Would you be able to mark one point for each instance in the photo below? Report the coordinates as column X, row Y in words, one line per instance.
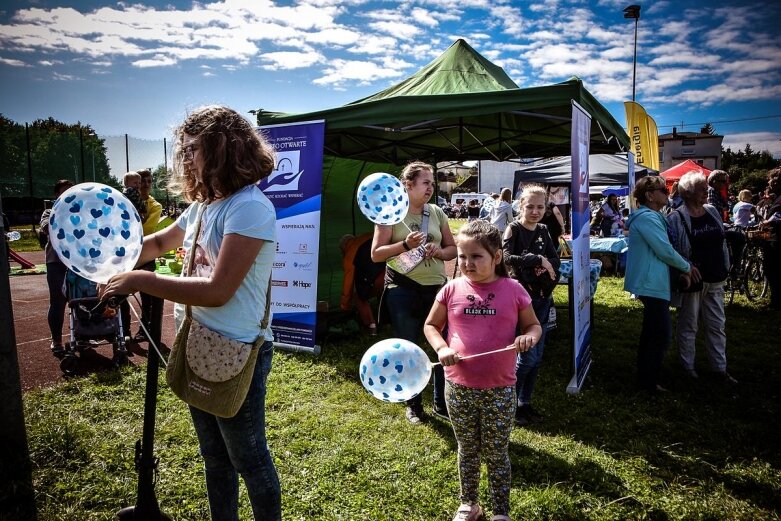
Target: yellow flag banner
column 643, row 134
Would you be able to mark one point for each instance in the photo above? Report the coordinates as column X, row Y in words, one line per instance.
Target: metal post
column 127, row 156
column 634, row 63
column 81, row 149
column 165, row 165
column 29, row 159
column 146, row 507
column 633, row 11
column 18, row 498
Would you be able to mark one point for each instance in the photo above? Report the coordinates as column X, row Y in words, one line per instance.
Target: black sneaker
column 414, row 415
column 525, row 414
column 140, row 337
column 441, row 411
column 724, row 378
column 521, row 418
column 533, row 415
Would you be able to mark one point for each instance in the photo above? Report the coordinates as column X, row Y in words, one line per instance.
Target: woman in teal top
column 649, row 260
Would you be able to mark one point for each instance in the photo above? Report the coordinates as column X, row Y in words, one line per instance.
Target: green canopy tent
column 459, row 107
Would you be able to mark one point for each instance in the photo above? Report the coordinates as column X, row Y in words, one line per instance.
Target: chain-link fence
column 35, row 156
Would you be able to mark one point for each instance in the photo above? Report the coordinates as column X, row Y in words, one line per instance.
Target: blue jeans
column 528, row 364
column 654, row 340
column 55, row 277
column 408, row 309
column 233, row 446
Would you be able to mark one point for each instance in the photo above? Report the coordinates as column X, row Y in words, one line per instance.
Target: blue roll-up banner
column 295, row 189
column 580, row 294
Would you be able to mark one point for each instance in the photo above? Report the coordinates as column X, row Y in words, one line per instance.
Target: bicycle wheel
column 756, row 282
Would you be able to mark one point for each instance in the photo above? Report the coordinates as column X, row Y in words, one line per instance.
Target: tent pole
column 355, row 192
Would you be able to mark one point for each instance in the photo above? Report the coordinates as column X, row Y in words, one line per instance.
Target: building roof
column 688, row 135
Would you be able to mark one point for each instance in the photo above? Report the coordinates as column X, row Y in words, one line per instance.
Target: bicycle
column 749, row 279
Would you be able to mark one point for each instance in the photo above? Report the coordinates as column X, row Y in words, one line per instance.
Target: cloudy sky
column 137, row 68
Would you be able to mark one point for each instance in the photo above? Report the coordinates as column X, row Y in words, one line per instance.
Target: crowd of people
column 508, row 263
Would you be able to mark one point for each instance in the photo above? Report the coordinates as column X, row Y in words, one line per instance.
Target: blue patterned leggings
column 482, row 422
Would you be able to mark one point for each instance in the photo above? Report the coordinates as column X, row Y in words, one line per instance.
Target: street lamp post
column 633, row 11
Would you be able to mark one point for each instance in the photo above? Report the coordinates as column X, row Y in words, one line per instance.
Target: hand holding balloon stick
column 395, row 370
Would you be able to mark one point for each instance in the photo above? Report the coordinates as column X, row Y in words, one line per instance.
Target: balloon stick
column 508, row 348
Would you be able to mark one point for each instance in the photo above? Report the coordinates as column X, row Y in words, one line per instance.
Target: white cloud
column 770, row 141
column 340, row 72
column 400, row 29
column 541, row 42
column 65, row 77
column 290, row 60
column 13, row 63
column 424, row 17
column 157, row 61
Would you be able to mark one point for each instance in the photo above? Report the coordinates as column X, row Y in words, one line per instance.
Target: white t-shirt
column 249, row 213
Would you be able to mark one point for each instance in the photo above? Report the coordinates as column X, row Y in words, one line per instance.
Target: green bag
column 206, row 369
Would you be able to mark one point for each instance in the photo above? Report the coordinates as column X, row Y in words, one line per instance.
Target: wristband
column 405, row 245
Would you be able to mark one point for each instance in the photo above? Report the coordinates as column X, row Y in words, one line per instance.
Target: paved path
column 37, row 366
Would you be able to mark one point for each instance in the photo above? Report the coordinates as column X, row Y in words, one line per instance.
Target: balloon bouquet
column 393, row 370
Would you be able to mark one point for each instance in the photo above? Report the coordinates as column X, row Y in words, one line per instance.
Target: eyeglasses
column 188, row 152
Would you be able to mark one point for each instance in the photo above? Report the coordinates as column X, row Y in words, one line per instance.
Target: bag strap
column 188, row 272
column 424, row 223
column 191, row 253
column 685, row 226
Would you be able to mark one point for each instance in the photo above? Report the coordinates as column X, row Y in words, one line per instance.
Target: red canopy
column 676, row 172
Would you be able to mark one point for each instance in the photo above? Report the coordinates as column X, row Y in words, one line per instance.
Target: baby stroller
column 92, row 323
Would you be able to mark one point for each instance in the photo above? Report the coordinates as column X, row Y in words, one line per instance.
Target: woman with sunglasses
column 648, row 277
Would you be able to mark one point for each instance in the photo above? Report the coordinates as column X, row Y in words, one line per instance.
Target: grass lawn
column 704, row 451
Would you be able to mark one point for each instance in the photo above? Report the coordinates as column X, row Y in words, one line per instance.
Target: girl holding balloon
column 219, row 158
column 409, row 296
column 482, row 311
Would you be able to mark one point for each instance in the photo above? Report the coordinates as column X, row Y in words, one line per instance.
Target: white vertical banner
column 631, row 174
column 580, row 282
column 295, row 189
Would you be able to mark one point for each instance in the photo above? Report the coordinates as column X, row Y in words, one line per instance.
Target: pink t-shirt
column 480, row 318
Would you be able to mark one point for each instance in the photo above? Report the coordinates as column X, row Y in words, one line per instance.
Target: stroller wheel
column 120, row 354
column 120, row 359
column 69, row 364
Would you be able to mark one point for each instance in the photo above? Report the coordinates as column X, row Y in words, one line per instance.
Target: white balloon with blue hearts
column 395, row 370
column 96, row 231
column 383, row 199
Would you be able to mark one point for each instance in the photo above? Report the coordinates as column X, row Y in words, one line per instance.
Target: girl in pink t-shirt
column 482, row 312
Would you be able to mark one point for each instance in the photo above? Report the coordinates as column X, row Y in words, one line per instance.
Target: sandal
column 467, row 512
column 57, row 349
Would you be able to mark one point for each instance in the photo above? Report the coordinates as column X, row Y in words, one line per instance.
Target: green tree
column 747, row 168
column 57, row 151
column 14, row 176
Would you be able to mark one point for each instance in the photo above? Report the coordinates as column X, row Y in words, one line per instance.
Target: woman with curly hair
column 219, row 158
